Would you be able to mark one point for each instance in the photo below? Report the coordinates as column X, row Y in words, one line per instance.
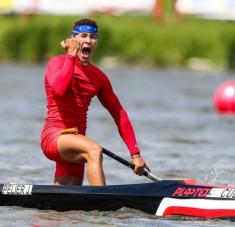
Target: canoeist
column 71, row 81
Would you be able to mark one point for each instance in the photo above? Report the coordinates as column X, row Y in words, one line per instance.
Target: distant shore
column 191, row 43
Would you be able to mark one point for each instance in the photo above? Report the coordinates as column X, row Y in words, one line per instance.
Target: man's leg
column 77, row 149
column 67, row 181
column 68, row 173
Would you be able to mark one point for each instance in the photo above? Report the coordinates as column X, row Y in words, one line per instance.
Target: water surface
column 179, row 133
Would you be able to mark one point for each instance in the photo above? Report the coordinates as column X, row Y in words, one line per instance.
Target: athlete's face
column 87, row 45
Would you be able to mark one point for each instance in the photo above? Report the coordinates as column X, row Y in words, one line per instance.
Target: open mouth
column 86, row 51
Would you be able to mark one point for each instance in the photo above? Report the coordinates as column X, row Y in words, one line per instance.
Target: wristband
column 135, row 156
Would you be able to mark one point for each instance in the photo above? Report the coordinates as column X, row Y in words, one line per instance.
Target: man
column 71, row 81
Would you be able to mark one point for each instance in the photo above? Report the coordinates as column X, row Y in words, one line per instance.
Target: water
column 179, row 133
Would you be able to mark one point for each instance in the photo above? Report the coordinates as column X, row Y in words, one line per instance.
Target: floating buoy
column 224, row 98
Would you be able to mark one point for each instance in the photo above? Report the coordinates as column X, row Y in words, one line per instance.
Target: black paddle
column 130, row 165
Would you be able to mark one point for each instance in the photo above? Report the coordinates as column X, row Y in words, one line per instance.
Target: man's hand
column 140, row 165
column 71, row 46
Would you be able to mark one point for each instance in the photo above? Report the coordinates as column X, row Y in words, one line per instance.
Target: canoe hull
column 163, row 198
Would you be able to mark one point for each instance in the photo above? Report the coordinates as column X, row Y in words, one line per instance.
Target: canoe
column 162, row 198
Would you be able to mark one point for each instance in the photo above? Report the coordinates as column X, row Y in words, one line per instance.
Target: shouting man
column 71, row 81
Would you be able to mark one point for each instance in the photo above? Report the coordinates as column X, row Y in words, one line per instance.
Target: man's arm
column 59, row 73
column 60, row 69
column 110, row 101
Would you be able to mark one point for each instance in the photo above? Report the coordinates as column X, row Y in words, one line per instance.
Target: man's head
column 85, row 25
column 85, row 31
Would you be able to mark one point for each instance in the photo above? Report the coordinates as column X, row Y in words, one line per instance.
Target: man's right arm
column 59, row 73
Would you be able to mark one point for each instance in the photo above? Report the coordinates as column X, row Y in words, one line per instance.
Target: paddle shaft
column 128, row 164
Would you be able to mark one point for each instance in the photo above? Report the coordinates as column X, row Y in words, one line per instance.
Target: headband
column 84, row 28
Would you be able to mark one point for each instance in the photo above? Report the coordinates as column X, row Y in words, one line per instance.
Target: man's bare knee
column 95, row 153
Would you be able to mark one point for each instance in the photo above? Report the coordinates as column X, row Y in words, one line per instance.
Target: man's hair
column 85, row 22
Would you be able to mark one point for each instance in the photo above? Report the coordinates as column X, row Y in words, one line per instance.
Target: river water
column 179, row 133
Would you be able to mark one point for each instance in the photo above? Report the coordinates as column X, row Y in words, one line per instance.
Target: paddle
column 130, row 165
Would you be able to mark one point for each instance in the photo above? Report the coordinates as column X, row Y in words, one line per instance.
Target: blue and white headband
column 84, row 28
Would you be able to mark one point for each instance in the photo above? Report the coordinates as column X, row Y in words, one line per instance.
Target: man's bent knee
column 95, row 153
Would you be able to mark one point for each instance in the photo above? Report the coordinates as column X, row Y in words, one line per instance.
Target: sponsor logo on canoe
column 17, row 189
column 225, row 193
column 228, row 193
column 191, row 192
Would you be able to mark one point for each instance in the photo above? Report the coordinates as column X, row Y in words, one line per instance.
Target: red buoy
column 224, row 98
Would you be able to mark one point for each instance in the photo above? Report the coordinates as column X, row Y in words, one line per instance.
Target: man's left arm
column 110, row 101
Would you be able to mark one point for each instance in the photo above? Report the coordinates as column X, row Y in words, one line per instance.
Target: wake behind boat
column 162, row 198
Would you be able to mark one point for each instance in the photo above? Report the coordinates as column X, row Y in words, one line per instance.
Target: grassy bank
column 131, row 39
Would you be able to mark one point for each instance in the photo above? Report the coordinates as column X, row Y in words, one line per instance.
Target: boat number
column 17, row 189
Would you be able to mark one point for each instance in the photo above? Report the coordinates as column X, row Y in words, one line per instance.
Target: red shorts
column 49, row 139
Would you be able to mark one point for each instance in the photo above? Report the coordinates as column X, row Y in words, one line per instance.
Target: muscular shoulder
column 102, row 76
column 97, row 70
